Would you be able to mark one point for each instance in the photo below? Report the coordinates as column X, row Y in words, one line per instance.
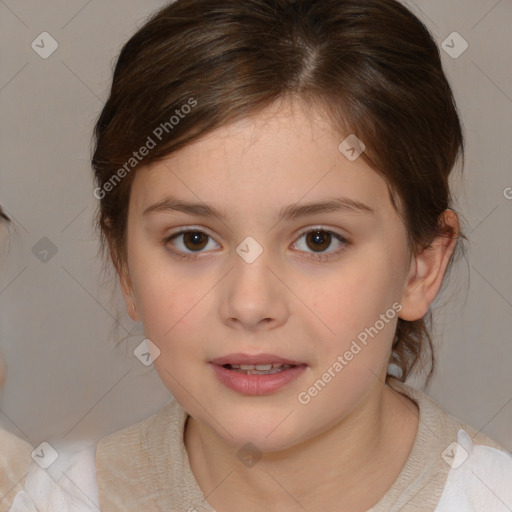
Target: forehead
column 282, row 155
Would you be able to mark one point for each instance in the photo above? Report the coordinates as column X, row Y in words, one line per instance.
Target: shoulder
column 66, row 484
column 440, row 423
column 480, row 477
column 133, row 465
column 473, row 471
column 129, row 445
column 14, row 463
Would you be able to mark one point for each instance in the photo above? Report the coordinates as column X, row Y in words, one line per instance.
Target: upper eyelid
column 195, row 229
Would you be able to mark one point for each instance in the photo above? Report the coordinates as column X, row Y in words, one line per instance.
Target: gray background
column 67, row 379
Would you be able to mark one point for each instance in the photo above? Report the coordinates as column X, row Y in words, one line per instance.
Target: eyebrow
column 291, row 212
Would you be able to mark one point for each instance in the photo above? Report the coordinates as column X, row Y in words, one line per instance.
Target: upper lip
column 253, row 359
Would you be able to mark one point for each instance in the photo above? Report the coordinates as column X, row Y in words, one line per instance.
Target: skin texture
column 344, row 449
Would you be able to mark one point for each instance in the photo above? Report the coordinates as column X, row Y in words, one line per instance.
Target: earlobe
column 121, row 268
column 428, row 269
column 134, row 315
column 127, row 290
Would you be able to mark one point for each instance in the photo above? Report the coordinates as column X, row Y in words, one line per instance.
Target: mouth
column 258, row 369
column 259, row 374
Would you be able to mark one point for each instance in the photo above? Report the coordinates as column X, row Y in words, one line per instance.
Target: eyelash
column 316, row 256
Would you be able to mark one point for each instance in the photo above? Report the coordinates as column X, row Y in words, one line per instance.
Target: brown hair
column 371, row 65
column 3, row 215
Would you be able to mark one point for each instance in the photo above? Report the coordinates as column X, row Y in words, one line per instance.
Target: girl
column 14, row 452
column 273, row 186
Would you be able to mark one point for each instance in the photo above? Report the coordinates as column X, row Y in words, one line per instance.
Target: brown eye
column 189, row 243
column 321, row 244
column 318, row 240
column 195, row 240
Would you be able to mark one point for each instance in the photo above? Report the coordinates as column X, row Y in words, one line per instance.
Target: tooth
column 277, row 365
column 263, row 366
column 247, row 367
column 235, row 366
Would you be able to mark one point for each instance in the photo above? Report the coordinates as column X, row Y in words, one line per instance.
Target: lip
column 241, row 358
column 255, row 385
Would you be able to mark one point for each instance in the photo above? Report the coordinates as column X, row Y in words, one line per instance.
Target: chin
column 268, row 433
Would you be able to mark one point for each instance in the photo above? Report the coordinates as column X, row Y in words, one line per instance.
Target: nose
column 254, row 296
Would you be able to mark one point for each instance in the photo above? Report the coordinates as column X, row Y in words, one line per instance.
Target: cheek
column 162, row 294
column 350, row 305
column 172, row 311
column 168, row 316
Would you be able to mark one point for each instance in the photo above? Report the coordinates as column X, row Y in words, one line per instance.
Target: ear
column 428, row 268
column 125, row 281
column 129, row 298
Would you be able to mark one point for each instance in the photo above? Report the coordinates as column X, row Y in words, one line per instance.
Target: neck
column 348, row 467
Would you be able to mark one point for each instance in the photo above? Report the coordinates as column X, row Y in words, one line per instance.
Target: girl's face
column 250, row 279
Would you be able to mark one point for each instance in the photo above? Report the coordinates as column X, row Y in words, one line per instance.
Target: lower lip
column 256, row 384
